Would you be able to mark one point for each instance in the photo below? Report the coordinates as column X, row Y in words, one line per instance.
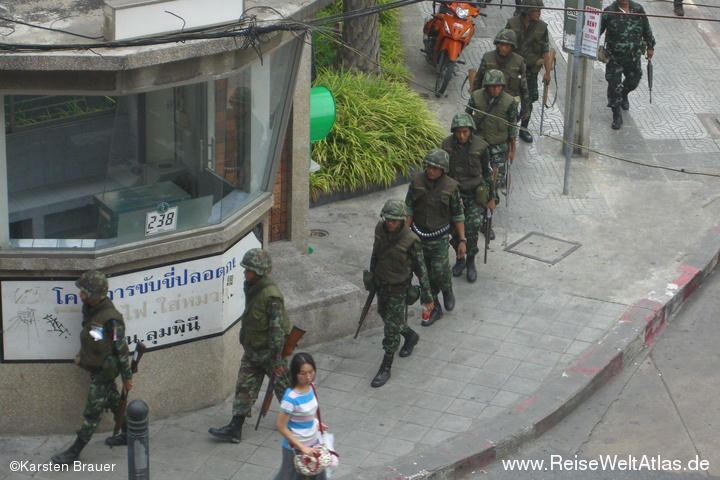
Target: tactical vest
column 466, row 161
column 529, row 42
column 493, row 130
column 431, row 204
column 513, row 67
column 255, row 323
column 94, row 352
column 393, row 262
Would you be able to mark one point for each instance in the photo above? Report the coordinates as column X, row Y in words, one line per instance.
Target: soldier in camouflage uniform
column 470, row 167
column 265, row 328
column 495, row 117
column 533, row 43
column 433, row 202
column 626, row 30
column 513, row 67
column 104, row 354
column 397, row 253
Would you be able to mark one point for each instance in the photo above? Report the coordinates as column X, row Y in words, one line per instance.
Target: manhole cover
column 544, row 248
column 318, row 233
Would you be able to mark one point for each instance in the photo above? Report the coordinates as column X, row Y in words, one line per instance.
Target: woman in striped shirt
column 297, row 421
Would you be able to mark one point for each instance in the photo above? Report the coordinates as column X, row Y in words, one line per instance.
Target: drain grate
column 543, row 248
column 317, row 233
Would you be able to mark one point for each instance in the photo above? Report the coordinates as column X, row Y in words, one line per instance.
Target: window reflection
column 88, row 171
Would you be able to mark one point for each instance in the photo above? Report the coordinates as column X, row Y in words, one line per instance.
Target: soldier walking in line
column 627, row 34
column 265, row 328
column 397, row 253
column 513, row 67
column 533, row 43
column 495, row 117
column 433, row 203
column 104, row 354
column 470, row 167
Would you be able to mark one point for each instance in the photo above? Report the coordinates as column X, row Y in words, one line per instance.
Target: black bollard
column 138, row 442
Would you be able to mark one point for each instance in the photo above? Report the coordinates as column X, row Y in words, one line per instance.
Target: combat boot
column 625, row 103
column 617, row 118
column 411, row 339
column 459, row 267
column 679, row 10
column 231, row 432
column 449, row 299
column 471, row 271
column 435, row 315
column 383, row 375
column 524, row 134
column 71, row 454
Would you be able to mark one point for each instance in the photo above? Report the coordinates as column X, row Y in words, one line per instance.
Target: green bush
column 382, row 126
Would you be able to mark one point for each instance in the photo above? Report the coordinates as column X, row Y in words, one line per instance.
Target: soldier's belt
column 430, row 235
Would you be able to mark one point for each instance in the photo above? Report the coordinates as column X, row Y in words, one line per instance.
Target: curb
column 639, row 327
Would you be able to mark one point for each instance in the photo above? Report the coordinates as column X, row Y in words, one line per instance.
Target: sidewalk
column 590, row 280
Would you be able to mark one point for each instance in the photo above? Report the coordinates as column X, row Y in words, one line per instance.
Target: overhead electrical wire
column 248, row 26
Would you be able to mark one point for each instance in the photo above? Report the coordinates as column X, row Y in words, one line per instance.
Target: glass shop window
column 93, row 171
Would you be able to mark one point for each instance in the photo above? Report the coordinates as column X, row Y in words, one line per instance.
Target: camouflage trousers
column 103, row 395
column 531, row 75
column 250, row 378
column 391, row 307
column 473, row 221
column 437, row 262
column 498, row 160
column 614, row 71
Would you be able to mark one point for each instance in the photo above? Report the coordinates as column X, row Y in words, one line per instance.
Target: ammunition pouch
column 412, row 295
column 369, row 281
column 482, row 194
column 602, row 55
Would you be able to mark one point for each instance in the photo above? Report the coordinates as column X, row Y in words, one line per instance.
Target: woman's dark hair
column 296, row 364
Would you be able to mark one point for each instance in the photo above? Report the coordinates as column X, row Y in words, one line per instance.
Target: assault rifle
column 139, row 351
column 546, row 90
column 650, row 75
column 488, row 229
column 295, row 335
column 364, row 312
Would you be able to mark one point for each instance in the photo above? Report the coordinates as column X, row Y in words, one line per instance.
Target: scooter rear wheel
column 444, row 72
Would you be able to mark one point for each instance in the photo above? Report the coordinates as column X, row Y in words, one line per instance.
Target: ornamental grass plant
column 382, row 128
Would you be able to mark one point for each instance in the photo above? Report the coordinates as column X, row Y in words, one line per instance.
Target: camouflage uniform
column 392, row 298
column 478, row 150
column 259, row 361
column 103, row 393
column 624, row 36
column 104, row 354
column 435, row 250
column 514, row 69
column 533, row 42
column 264, row 331
column 499, row 127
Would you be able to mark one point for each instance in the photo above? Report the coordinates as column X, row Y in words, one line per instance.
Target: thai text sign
column 41, row 319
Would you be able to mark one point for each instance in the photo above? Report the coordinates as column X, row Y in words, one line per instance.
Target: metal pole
column 570, row 128
column 138, row 441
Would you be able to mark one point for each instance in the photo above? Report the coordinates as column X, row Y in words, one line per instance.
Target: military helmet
column 462, row 120
column 494, row 77
column 394, row 209
column 437, row 157
column 533, row 4
column 257, row 260
column 506, row 36
column 94, row 284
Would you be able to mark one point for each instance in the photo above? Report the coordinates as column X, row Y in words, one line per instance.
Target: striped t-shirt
column 302, row 424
